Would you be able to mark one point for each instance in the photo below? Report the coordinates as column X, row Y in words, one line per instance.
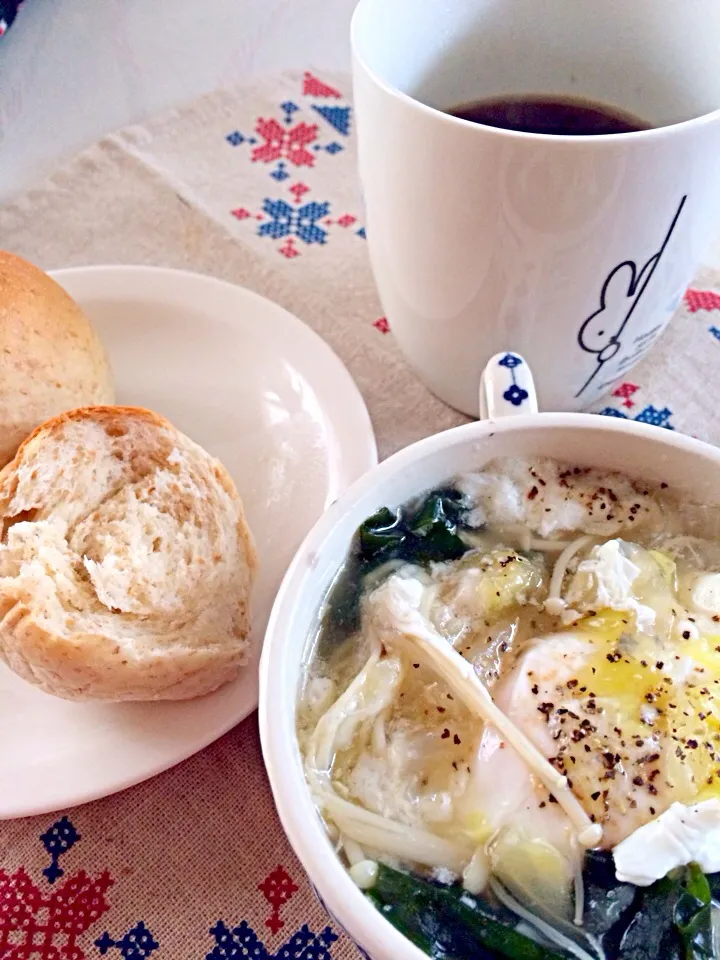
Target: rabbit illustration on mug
column 621, row 292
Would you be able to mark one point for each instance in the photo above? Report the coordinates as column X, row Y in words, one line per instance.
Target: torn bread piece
column 126, row 563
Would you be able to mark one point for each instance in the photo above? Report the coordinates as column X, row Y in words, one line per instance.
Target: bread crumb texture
column 126, row 564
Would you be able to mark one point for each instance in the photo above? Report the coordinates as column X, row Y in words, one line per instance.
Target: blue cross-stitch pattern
column 361, row 232
column 236, row 138
column 715, row 331
column 280, row 172
column 308, row 945
column 294, row 221
column 658, row 418
column 289, row 108
column 242, row 943
column 57, row 840
column 331, row 148
column 613, row 412
column 137, row 944
column 651, row 414
column 337, row 117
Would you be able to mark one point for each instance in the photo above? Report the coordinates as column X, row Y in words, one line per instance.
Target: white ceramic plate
column 259, row 390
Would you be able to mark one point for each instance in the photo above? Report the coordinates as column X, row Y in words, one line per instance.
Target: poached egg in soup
column 530, row 671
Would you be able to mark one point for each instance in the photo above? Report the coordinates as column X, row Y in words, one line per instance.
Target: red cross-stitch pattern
column 312, row 87
column 277, row 888
column 702, row 300
column 287, row 143
column 626, row 391
column 382, row 325
column 35, row 927
column 298, row 190
column 289, row 250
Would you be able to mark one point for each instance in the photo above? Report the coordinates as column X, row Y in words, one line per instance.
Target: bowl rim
column 299, row 818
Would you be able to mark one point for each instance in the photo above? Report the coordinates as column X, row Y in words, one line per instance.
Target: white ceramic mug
column 574, row 250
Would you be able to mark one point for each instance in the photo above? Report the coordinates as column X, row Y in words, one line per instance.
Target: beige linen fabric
column 191, row 847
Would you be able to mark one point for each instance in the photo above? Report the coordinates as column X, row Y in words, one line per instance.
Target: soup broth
column 513, row 696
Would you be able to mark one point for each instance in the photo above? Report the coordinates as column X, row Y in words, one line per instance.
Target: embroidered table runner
column 257, row 186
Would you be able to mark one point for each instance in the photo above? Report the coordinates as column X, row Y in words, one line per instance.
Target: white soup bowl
column 690, row 467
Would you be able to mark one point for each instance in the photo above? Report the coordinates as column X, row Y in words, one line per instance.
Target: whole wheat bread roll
column 126, row 564
column 50, row 357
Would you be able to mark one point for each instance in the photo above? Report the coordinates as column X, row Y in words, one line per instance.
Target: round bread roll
column 50, row 357
column 126, row 564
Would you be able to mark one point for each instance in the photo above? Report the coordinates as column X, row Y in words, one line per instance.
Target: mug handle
column 507, row 388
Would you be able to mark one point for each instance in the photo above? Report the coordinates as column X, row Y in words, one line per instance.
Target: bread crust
column 80, row 664
column 50, row 356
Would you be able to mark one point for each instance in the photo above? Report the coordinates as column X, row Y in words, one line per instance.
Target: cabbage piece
column 534, row 871
column 487, row 583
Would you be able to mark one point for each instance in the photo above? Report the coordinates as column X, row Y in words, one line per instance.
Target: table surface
column 73, row 70
column 255, row 185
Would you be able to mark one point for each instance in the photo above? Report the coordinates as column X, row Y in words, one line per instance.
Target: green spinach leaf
column 673, row 919
column 651, row 929
column 692, row 915
column 609, row 903
column 381, row 536
column 447, row 922
column 714, row 880
column 421, row 533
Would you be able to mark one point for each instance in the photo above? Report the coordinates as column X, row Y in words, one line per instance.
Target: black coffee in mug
column 561, row 116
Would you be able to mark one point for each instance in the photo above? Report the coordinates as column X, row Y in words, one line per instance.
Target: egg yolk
column 674, row 695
